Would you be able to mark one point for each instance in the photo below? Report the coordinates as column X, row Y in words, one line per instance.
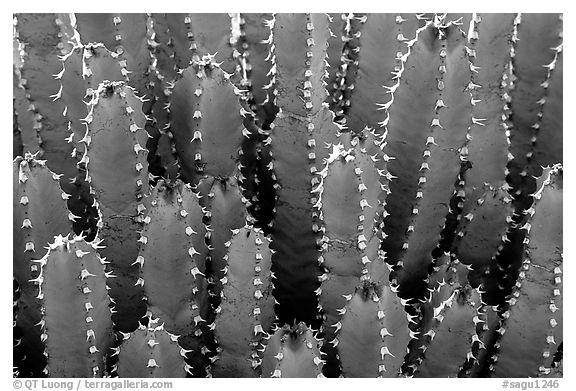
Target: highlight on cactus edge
column 287, row 195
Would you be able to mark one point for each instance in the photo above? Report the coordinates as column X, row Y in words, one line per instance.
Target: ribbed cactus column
column 452, row 330
column 41, row 70
column 292, row 352
column 489, row 61
column 83, row 69
column 25, row 120
column 299, row 135
column 207, row 122
column 418, row 203
column 384, row 44
column 126, row 36
column 373, row 334
column 39, row 214
column 117, row 171
column 341, row 87
column 224, row 211
column 76, row 322
column 538, row 289
column 171, row 248
column 150, row 352
column 186, row 38
column 246, row 312
column 537, row 50
column 39, row 34
column 482, row 235
column 254, row 58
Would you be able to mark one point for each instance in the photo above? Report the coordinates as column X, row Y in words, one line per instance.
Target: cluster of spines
column 508, row 84
column 161, row 83
column 343, row 85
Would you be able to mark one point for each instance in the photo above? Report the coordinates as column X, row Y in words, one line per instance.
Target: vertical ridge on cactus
column 481, row 229
column 253, row 49
column 538, row 288
column 246, row 312
column 171, row 241
column 374, row 332
column 292, row 352
column 151, row 352
column 441, row 157
column 207, row 139
column 488, row 145
column 304, row 123
column 383, row 44
column 534, row 57
column 343, row 87
column 77, row 324
column 85, row 67
column 25, row 119
column 115, row 139
column 40, row 213
column 224, row 212
column 451, row 337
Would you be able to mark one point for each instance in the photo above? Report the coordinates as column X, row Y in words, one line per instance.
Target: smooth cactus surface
column 287, row 194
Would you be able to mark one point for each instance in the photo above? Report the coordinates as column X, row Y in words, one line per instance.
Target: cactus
column 292, row 352
column 151, row 351
column 374, row 321
column 207, row 142
column 246, row 312
column 40, row 213
column 115, row 137
column 174, row 286
column 225, row 212
column 77, row 324
column 538, row 288
column 288, row 195
column 304, row 123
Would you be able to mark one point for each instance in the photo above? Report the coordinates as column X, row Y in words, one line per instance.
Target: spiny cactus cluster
column 287, row 195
